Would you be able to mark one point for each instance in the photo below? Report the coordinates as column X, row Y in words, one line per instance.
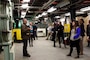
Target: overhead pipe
column 68, row 6
column 46, row 5
column 51, row 1
column 75, row 3
column 62, row 4
column 28, row 8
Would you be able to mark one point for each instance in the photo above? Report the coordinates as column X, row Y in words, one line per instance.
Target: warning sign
column 66, row 28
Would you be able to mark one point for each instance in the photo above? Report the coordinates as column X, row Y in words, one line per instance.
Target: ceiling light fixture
column 79, row 12
column 39, row 15
column 62, row 19
column 36, row 17
column 45, row 18
column 67, row 14
column 26, row 0
column 44, row 13
column 85, row 9
column 57, row 16
column 51, row 9
column 23, row 14
column 29, row 11
column 24, row 6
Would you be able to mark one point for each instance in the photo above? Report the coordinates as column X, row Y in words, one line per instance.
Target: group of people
column 77, row 33
column 56, row 32
column 77, row 36
column 28, row 33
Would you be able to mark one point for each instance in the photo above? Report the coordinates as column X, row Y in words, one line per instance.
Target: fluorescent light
column 79, row 12
column 26, row 0
column 23, row 13
column 67, row 14
column 44, row 13
column 29, row 11
column 62, row 19
column 52, row 9
column 85, row 9
column 22, row 16
column 39, row 15
column 45, row 18
column 36, row 17
column 57, row 16
column 24, row 6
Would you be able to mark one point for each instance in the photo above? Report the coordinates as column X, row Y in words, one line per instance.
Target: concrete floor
column 44, row 50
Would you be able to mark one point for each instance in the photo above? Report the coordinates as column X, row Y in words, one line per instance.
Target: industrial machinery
column 6, row 26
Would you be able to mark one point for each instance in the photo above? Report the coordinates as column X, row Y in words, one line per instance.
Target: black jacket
column 60, row 30
column 82, row 30
column 88, row 30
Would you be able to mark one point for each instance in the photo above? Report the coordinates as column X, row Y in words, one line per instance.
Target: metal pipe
column 47, row 4
column 75, row 3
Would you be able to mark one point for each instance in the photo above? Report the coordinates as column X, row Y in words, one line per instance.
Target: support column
column 6, row 52
column 73, row 14
column 73, row 10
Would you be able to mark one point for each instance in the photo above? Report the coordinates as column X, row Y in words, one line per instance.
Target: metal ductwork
column 63, row 3
column 47, row 4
